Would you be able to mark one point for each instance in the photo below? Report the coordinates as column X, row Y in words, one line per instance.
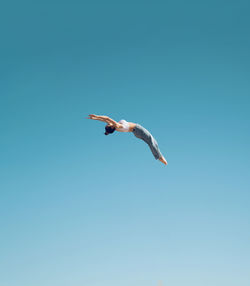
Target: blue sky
column 80, row 208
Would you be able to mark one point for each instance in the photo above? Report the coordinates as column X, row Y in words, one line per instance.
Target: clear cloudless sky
column 81, row 208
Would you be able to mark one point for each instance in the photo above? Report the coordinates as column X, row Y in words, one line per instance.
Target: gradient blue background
column 80, row 208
